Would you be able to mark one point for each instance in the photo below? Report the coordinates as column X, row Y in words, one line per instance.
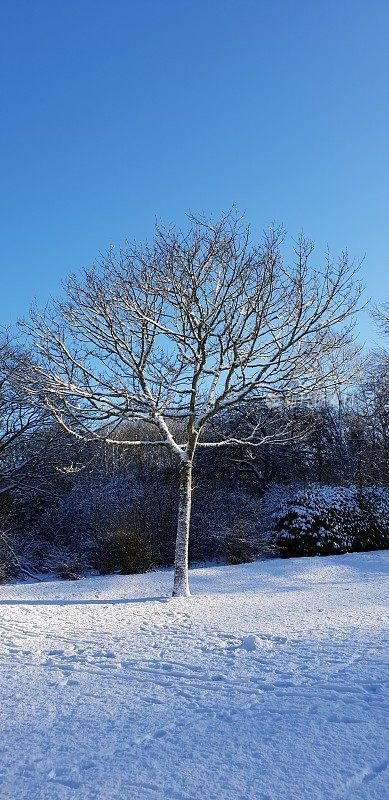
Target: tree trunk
column 181, row 581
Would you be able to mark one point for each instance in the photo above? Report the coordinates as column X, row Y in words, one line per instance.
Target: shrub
column 8, row 570
column 124, row 548
column 238, row 548
column 374, row 505
column 9, row 565
column 69, row 571
column 61, row 561
column 329, row 520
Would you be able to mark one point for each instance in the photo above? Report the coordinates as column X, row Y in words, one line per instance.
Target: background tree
column 17, row 415
column 381, row 316
column 174, row 335
column 30, row 440
column 372, row 408
column 20, row 418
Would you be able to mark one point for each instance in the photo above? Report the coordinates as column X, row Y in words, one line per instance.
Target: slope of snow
column 269, row 683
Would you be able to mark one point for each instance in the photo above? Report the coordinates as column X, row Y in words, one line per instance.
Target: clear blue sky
column 114, row 112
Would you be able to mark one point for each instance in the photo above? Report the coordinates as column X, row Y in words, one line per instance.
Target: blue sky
column 118, row 112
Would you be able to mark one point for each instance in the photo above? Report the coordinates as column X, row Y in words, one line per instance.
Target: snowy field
column 269, row 683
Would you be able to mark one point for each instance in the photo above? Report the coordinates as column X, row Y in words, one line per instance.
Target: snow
column 269, row 683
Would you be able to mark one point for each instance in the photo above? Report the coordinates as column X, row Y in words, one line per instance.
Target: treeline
column 68, row 506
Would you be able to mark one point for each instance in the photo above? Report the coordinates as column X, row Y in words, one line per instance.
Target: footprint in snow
column 60, row 776
column 253, row 642
column 250, row 643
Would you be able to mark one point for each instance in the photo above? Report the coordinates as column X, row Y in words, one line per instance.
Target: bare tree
column 372, row 405
column 16, row 414
column 28, row 435
column 176, row 334
column 381, row 315
column 19, row 417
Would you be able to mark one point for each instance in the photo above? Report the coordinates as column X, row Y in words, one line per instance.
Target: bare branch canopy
column 187, row 328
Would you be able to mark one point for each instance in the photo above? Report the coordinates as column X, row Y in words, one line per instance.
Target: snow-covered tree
column 163, row 340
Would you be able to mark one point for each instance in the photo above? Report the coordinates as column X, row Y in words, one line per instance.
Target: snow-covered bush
column 328, row 520
column 374, row 504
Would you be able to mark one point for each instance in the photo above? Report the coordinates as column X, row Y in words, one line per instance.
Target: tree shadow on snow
column 91, row 602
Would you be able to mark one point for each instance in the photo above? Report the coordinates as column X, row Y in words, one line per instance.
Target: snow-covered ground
column 269, row 683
